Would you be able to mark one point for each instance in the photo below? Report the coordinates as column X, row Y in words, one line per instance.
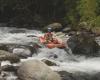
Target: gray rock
column 54, row 26
column 22, row 52
column 3, row 47
column 67, row 29
column 4, row 55
column 9, row 68
column 49, row 63
column 8, row 76
column 36, row 70
column 79, row 76
column 83, row 44
column 17, row 31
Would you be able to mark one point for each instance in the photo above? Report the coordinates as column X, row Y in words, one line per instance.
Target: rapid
column 65, row 60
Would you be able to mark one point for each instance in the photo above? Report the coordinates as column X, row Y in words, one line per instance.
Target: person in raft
column 49, row 37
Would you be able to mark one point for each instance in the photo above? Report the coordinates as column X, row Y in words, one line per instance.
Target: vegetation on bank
column 39, row 13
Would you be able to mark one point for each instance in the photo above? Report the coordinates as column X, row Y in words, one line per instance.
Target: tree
column 72, row 16
column 87, row 11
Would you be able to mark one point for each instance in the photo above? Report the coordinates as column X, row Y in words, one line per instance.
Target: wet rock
column 3, row 47
column 60, row 34
column 17, row 31
column 22, row 52
column 4, row 74
column 31, row 46
column 72, row 42
column 9, row 68
column 79, row 76
column 36, row 70
column 67, row 29
column 72, row 33
column 49, row 63
column 25, row 51
column 4, row 55
column 53, row 56
column 2, row 78
column 8, row 75
column 83, row 43
column 54, row 26
column 96, row 30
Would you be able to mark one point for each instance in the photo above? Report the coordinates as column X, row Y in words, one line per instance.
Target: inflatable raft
column 53, row 44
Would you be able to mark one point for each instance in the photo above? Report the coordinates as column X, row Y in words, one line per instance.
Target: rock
column 2, row 78
column 83, row 44
column 25, row 51
column 49, row 63
column 8, row 76
column 22, row 52
column 66, row 29
column 4, row 63
column 36, row 70
column 71, row 33
column 54, row 26
column 72, row 42
column 31, row 46
column 79, row 76
column 17, row 31
column 9, row 68
column 4, row 55
column 59, row 34
column 3, row 47
column 96, row 30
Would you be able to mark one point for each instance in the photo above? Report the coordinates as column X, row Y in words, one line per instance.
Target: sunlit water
column 65, row 61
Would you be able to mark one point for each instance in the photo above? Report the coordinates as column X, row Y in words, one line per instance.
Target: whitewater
column 66, row 61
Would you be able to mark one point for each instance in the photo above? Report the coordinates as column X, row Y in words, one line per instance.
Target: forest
column 39, row 13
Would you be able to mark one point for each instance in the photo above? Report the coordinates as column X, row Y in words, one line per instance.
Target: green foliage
column 97, row 21
column 83, row 13
column 98, row 7
column 72, row 16
column 87, row 9
column 42, row 12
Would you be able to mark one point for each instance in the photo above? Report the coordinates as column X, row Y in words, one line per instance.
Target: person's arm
column 54, row 35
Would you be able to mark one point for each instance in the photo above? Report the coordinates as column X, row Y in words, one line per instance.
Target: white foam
column 66, row 62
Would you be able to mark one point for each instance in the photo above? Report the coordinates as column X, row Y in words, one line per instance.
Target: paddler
column 49, row 35
column 50, row 39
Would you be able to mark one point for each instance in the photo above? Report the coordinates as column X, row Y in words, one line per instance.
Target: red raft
column 53, row 44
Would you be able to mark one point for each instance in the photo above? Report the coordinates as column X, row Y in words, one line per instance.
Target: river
column 65, row 61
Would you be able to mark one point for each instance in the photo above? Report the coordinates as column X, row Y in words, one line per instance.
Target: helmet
column 49, row 29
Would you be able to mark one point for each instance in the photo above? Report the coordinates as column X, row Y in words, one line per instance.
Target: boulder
column 25, row 51
column 8, row 76
column 17, row 31
column 22, row 52
column 84, row 44
column 49, row 63
column 96, row 30
column 3, row 47
column 4, row 55
column 79, row 76
column 9, row 68
column 66, row 29
column 54, row 26
column 36, row 70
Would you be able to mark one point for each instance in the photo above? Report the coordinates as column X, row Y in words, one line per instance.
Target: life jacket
column 55, row 41
column 48, row 36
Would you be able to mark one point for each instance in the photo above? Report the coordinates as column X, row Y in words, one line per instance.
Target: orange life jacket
column 48, row 36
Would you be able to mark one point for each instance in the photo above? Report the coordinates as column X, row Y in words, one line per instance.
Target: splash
column 64, row 60
column 68, row 62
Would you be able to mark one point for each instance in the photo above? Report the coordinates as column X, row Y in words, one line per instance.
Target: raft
column 55, row 44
